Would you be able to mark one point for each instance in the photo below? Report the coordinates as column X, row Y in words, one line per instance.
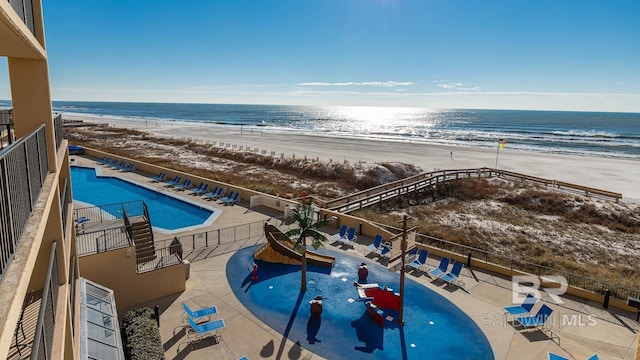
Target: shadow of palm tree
column 287, row 330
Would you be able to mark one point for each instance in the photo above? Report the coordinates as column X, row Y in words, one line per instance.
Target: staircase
column 142, row 236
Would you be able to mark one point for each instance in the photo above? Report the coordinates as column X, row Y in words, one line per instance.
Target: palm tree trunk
column 303, row 281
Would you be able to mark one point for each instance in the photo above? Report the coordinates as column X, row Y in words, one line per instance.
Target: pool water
column 166, row 213
column 434, row 327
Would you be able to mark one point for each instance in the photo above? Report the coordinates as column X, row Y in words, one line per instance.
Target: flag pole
column 497, row 152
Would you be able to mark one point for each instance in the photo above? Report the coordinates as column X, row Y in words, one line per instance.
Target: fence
column 43, row 340
column 101, row 241
column 479, row 255
column 110, row 211
column 23, row 169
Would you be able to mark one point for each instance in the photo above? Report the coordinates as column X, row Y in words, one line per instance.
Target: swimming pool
column 168, row 214
column 434, row 327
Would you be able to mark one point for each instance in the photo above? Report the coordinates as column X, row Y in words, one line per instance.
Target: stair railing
column 127, row 224
column 146, row 215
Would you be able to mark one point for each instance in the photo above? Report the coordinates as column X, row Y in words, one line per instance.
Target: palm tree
column 306, row 229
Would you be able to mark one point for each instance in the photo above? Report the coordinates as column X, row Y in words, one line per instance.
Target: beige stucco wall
column 116, row 270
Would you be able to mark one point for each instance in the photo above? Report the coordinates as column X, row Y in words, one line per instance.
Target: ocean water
column 601, row 134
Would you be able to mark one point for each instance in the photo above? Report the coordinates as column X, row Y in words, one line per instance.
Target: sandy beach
column 615, row 175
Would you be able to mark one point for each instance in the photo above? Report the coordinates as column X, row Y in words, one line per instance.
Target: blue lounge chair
column 441, row 269
column 230, row 200
column 207, row 312
column 228, row 197
column 197, row 332
column 185, row 185
column 342, row 233
column 350, row 238
column 537, row 320
column 384, row 249
column 421, row 261
column 377, row 242
column 159, row 177
column 202, row 188
column 524, row 308
column 454, row 274
column 214, row 194
column 104, row 160
column 128, row 168
column 174, row 182
column 552, row 356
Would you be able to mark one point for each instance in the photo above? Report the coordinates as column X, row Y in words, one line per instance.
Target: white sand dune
column 617, row 175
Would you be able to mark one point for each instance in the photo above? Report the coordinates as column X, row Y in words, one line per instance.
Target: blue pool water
column 434, row 327
column 165, row 212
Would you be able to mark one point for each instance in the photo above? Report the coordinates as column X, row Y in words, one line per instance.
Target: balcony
column 24, row 9
column 23, row 169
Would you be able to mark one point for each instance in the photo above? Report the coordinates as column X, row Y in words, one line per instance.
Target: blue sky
column 567, row 55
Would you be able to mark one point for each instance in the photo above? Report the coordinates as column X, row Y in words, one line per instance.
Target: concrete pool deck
column 613, row 336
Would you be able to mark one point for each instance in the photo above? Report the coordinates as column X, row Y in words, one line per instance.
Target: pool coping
column 215, row 212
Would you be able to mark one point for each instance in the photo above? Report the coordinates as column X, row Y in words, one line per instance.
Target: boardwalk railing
column 23, row 169
column 418, row 182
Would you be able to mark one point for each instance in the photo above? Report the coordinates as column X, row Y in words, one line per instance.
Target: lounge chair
column 377, row 242
column 537, row 320
column 441, row 269
column 350, row 238
column 552, row 356
column 104, row 160
column 185, row 185
column 159, row 177
column 342, row 233
column 207, row 312
column 454, row 274
column 524, row 308
column 214, row 194
column 421, row 261
column 196, row 332
column 228, row 197
column 201, row 189
column 230, row 200
column 128, row 168
column 174, row 182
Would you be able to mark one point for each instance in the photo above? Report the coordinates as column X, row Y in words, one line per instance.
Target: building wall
column 31, row 101
column 116, row 269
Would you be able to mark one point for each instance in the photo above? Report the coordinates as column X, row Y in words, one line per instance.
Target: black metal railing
column 7, row 136
column 43, row 340
column 108, row 212
column 145, row 212
column 511, row 263
column 24, row 9
column 57, row 126
column 23, row 169
column 162, row 257
column 214, row 238
column 101, row 241
column 64, row 206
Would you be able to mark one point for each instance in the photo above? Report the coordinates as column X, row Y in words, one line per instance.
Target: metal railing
column 43, row 340
column 23, row 169
column 101, row 241
column 244, row 232
column 7, row 136
column 57, row 126
column 24, row 9
column 511, row 263
column 110, row 211
column 163, row 257
column 64, row 206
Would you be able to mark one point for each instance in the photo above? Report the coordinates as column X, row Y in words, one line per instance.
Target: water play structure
column 279, row 249
column 381, row 303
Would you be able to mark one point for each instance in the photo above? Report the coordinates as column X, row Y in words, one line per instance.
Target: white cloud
column 450, row 85
column 366, row 83
column 475, row 88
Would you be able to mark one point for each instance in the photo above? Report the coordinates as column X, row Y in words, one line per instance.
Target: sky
column 492, row 54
